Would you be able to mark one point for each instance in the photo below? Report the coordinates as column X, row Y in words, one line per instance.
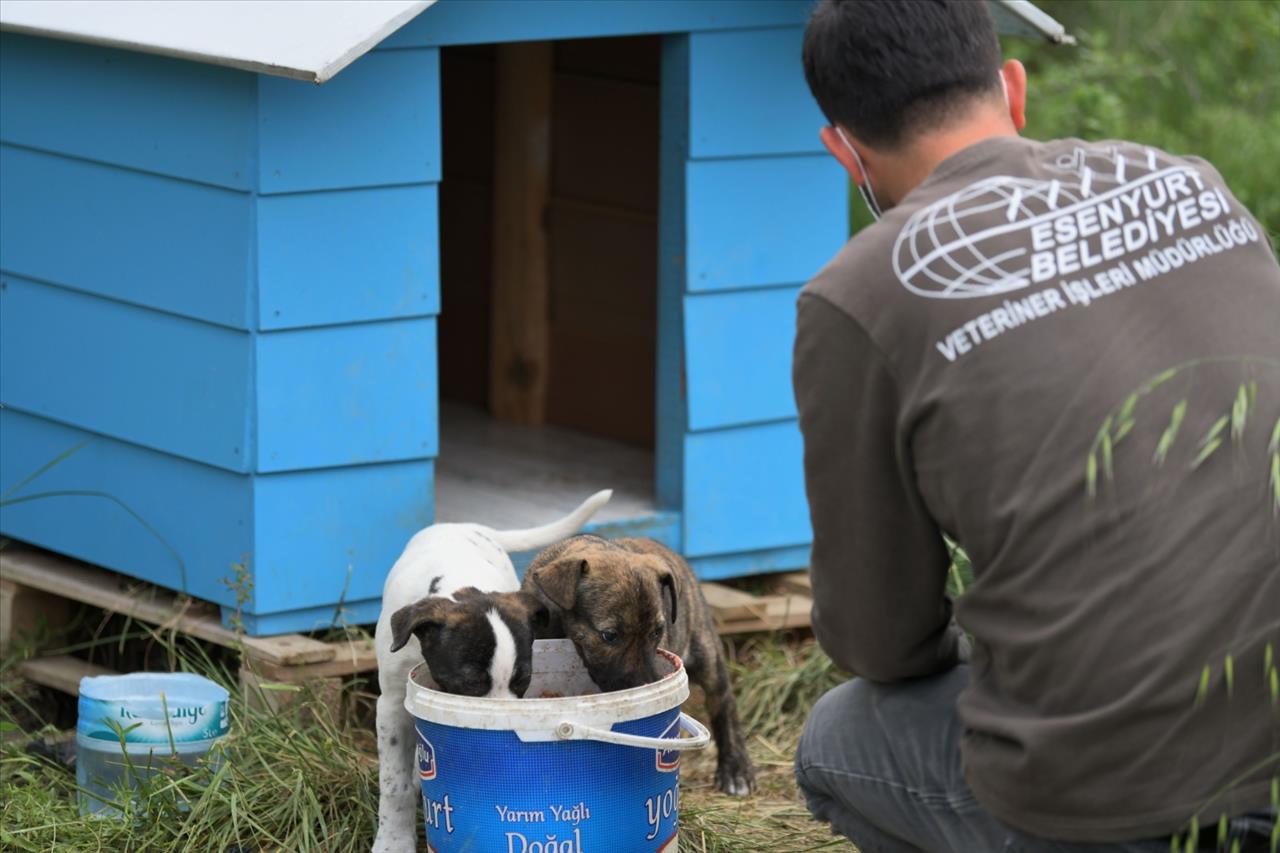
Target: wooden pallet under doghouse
column 37, row 585
column 40, row 586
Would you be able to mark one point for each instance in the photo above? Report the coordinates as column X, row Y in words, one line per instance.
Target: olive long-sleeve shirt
column 1001, row 358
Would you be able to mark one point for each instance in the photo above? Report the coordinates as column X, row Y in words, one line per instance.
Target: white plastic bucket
column 577, row 772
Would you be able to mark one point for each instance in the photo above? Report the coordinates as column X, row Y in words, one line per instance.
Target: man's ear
column 559, row 581
column 424, row 614
column 835, row 146
column 1015, row 87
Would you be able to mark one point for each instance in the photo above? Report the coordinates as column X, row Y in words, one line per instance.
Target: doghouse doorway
column 526, row 438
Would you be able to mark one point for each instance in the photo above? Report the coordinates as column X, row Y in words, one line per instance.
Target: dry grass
column 777, row 678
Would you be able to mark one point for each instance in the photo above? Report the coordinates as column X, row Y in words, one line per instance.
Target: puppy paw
column 735, row 776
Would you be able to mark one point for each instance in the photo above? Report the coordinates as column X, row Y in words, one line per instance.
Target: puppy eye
column 609, row 636
column 657, row 633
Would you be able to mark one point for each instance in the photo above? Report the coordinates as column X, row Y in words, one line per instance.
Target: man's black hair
column 888, row 69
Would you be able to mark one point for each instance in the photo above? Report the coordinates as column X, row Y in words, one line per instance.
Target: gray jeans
column 881, row 763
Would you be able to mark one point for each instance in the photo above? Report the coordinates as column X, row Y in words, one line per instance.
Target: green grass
column 282, row 786
column 308, row 780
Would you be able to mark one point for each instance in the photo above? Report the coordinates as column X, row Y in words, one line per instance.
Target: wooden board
column 738, row 612
column 510, row 20
column 510, row 476
column 139, row 238
column 732, row 507
column 150, row 378
column 764, row 220
column 466, row 222
column 796, row 582
column 24, row 611
column 521, row 186
column 83, row 583
column 346, row 395
column 118, row 107
column 763, row 70
column 738, row 356
column 378, row 124
column 61, row 672
column 316, row 266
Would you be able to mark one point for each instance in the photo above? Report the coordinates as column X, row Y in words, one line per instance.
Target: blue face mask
column 864, row 188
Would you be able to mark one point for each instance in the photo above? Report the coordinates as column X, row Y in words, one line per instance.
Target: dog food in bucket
column 587, row 772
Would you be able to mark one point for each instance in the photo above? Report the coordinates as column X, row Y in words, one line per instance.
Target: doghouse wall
column 220, row 294
column 601, row 227
column 217, row 304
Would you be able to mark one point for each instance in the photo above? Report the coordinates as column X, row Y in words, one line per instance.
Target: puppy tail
column 536, row 538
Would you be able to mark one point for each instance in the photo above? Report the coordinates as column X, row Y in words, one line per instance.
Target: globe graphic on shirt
column 977, row 241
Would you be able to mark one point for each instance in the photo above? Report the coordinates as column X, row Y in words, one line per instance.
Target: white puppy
column 475, row 641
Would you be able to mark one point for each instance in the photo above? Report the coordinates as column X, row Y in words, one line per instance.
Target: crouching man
column 1066, row 356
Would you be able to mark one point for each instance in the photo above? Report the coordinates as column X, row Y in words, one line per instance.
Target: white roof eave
column 308, row 40
column 1023, row 18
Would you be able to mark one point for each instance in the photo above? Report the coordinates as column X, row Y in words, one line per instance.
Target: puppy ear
column 668, row 581
column 559, row 581
column 535, row 612
column 422, row 614
column 539, row 617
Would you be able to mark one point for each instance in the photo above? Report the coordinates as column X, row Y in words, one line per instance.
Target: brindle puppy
column 618, row 601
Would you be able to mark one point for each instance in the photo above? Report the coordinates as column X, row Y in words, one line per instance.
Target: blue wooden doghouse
column 511, row 253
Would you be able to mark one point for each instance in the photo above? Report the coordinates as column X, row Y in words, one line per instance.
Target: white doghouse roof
column 303, row 39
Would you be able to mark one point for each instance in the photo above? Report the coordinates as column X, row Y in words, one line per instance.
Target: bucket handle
column 701, row 737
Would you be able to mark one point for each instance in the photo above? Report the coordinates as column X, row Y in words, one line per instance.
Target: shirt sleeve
column 879, row 565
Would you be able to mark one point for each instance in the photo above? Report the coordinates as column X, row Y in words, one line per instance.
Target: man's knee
column 839, row 721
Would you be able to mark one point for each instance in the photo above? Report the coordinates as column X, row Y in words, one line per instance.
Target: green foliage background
column 1189, row 76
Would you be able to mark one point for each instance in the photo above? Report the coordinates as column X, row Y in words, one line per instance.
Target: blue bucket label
column 490, row 791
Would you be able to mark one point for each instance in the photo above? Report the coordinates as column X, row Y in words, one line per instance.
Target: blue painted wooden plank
column 347, row 395
column 662, row 526
column 145, row 239
column 305, row 619
column 721, row 566
column 744, row 490
column 673, row 152
column 739, row 356
column 331, row 536
column 170, row 116
column 154, row 379
column 763, row 221
column 144, row 513
column 485, row 21
column 748, row 96
column 348, row 256
column 378, row 122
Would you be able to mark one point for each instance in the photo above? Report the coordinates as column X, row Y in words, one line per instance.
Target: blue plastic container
column 160, row 716
column 578, row 772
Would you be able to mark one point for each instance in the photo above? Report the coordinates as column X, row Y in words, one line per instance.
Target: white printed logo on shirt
column 1104, row 226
